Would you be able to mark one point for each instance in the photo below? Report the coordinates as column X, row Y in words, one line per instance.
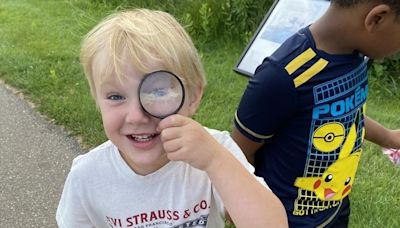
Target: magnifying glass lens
column 161, row 94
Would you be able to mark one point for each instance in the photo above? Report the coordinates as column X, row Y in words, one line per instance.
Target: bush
column 208, row 20
column 385, row 77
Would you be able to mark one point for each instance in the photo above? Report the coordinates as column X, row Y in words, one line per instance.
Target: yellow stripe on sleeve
column 299, row 61
column 311, row 72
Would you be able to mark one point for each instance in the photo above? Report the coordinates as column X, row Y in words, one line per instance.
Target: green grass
column 376, row 195
column 39, row 49
column 224, row 87
column 39, row 52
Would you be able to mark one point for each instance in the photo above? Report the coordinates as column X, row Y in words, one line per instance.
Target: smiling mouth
column 329, row 193
column 142, row 138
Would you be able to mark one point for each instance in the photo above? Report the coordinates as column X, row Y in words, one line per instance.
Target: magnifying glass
column 161, row 93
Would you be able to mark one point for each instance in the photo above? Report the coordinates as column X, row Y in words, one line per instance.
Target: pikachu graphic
column 337, row 180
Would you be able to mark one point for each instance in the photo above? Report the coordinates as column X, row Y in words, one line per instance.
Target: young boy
column 156, row 173
column 302, row 120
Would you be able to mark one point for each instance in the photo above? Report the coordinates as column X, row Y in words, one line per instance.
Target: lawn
column 39, row 49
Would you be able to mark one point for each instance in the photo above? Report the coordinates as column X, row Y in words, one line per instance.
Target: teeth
column 142, row 138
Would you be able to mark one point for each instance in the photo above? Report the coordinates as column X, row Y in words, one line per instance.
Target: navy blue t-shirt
column 307, row 106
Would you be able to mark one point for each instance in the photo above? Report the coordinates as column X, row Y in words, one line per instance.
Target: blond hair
column 142, row 37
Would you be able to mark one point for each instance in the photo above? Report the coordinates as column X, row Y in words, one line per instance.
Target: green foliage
column 208, row 20
column 385, row 77
column 228, row 19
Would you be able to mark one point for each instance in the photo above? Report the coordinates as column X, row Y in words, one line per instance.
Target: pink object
column 393, row 154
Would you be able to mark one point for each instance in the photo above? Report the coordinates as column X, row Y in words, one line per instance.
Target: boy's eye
column 115, row 97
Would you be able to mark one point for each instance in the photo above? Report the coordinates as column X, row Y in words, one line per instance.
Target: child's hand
column 186, row 140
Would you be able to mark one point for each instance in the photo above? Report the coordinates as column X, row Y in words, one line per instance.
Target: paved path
column 35, row 157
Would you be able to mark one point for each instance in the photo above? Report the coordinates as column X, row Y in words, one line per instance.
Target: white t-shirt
column 103, row 191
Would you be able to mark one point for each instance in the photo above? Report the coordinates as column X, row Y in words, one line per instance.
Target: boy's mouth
column 142, row 138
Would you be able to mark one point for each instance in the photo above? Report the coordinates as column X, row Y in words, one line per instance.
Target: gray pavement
column 35, row 157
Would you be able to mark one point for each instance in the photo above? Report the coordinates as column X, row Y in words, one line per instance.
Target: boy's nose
column 136, row 114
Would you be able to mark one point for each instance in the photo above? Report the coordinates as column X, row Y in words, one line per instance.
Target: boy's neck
column 336, row 34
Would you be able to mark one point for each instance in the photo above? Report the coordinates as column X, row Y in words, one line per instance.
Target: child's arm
column 248, row 203
column 248, row 146
column 380, row 135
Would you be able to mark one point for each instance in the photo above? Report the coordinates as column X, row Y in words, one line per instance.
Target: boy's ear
column 195, row 99
column 376, row 17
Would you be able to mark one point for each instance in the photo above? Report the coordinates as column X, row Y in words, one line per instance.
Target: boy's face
column 131, row 129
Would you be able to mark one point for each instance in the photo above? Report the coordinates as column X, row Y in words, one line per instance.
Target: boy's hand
column 186, row 140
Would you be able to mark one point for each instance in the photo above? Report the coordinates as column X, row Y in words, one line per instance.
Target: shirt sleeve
column 267, row 103
column 70, row 211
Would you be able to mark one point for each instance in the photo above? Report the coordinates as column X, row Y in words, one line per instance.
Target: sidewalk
column 35, row 157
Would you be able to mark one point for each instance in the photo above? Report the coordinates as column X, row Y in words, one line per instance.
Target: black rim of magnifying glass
column 181, row 84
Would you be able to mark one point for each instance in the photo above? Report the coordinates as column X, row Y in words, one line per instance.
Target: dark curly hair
column 348, row 3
